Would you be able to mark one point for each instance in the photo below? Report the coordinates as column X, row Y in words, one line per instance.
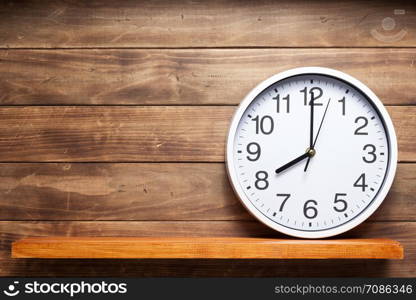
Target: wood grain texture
column 193, row 199
column 128, row 134
column 186, row 77
column 204, row 248
column 217, row 23
column 147, row 192
column 14, row 230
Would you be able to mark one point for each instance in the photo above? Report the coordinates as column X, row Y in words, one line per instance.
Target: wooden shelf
column 204, row 248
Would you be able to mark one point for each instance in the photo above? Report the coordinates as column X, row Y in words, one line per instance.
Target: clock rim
column 390, row 133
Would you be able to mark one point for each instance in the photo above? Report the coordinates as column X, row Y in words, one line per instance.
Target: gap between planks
column 207, row 48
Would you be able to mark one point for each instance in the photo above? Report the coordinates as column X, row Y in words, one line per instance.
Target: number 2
column 358, row 130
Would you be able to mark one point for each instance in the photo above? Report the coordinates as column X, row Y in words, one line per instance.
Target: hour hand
column 308, row 153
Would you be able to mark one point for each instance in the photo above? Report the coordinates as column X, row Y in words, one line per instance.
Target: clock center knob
column 311, row 152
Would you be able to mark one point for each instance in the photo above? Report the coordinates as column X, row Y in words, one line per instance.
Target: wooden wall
column 114, row 113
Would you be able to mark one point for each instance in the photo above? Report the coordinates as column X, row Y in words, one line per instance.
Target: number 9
column 255, row 152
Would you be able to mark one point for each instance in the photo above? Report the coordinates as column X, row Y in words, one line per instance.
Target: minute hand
column 319, row 130
column 311, row 123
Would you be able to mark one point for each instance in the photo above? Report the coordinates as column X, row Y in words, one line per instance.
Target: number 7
column 284, row 201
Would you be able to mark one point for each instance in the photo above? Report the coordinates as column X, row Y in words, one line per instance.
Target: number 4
column 362, row 185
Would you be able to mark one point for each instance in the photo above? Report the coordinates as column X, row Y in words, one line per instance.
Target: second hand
column 319, row 130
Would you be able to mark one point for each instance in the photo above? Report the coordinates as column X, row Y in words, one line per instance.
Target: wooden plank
column 128, row 134
column 204, row 248
column 196, row 77
column 13, row 230
column 146, row 192
column 217, row 23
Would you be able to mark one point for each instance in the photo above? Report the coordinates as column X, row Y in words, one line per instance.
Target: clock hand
column 308, row 153
column 319, row 130
column 311, row 124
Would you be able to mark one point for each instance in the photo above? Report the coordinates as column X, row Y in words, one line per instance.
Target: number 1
column 343, row 105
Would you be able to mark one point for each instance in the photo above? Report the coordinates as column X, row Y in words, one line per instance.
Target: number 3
column 371, row 152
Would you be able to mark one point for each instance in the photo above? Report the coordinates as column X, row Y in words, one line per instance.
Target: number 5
column 344, row 203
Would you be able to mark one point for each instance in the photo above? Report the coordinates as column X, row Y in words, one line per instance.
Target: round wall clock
column 311, row 152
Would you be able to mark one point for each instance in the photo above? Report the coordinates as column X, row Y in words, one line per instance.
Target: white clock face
column 311, row 171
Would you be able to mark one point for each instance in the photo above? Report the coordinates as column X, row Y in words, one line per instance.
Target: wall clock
column 311, row 152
